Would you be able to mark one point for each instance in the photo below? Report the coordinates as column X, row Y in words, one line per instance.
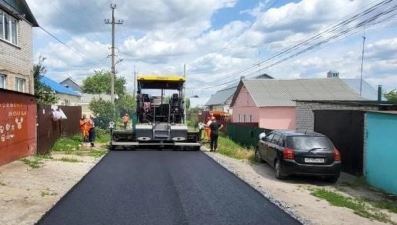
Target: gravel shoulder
column 294, row 195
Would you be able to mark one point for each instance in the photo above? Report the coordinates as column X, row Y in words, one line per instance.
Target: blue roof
column 367, row 91
column 57, row 87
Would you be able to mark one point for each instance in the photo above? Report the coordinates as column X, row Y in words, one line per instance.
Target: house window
column 20, row 84
column 250, row 119
column 8, row 28
column 239, row 118
column 244, row 118
column 3, row 79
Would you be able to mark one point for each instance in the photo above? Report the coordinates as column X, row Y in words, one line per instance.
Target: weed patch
column 359, row 207
column 48, row 192
column 66, row 145
column 33, row 163
column 390, row 206
column 97, row 154
column 67, row 159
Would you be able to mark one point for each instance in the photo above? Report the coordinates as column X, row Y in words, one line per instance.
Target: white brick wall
column 17, row 60
column 305, row 115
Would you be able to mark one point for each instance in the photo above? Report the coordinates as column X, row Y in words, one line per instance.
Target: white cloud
column 158, row 37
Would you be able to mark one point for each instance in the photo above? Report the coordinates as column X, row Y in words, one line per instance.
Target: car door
column 273, row 148
column 265, row 146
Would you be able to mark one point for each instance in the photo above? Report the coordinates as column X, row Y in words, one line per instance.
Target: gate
column 17, row 125
column 345, row 128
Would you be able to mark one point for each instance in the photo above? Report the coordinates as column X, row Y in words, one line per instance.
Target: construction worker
column 215, row 126
column 207, row 128
column 125, row 120
column 91, row 131
column 84, row 127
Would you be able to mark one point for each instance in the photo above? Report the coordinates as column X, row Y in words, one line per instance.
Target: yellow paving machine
column 161, row 117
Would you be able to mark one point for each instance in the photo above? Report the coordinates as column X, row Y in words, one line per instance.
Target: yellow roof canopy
column 169, row 78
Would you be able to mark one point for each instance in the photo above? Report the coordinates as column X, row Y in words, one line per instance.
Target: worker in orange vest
column 207, row 128
column 125, row 120
column 84, row 126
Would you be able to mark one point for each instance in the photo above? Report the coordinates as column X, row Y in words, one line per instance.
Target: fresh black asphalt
column 163, row 187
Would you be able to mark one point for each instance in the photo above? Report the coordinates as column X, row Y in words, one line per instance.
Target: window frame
column 17, row 84
column 9, row 28
column 4, row 83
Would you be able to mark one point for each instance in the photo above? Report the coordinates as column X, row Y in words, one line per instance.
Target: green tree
column 100, row 83
column 126, row 104
column 45, row 95
column 391, row 95
column 103, row 111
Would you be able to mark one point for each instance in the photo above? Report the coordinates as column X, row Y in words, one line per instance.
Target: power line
column 53, row 36
column 333, row 28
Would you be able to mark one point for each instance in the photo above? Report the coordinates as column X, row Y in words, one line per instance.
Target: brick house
column 16, row 51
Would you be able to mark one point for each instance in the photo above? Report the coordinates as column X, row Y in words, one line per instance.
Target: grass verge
column 360, row 207
column 232, row 149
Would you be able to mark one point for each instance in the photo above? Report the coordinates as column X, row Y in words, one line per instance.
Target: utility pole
column 184, row 94
column 113, row 72
column 362, row 65
column 134, row 83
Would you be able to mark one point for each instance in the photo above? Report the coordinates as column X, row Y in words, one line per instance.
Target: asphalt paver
column 163, row 187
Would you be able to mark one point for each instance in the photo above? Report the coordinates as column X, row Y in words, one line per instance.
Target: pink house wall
column 245, row 106
column 266, row 117
column 277, row 118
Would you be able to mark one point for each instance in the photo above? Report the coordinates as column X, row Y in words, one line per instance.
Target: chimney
column 379, row 93
column 242, row 77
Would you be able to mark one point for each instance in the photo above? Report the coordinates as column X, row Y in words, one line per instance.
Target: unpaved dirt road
column 27, row 193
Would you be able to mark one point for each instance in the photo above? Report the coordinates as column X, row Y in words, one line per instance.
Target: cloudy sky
column 220, row 40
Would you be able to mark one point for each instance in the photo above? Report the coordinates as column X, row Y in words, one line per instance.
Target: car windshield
column 309, row 143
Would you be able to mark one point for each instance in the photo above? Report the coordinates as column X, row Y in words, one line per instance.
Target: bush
column 102, row 135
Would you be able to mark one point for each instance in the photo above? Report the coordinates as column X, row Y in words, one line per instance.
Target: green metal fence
column 246, row 135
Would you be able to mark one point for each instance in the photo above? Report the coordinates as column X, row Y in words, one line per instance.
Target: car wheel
column 333, row 179
column 258, row 157
column 279, row 174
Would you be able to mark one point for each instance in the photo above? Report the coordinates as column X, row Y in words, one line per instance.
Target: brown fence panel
column 71, row 127
column 17, row 125
column 49, row 131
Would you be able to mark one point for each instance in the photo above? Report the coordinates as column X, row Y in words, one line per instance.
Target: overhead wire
column 333, row 28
